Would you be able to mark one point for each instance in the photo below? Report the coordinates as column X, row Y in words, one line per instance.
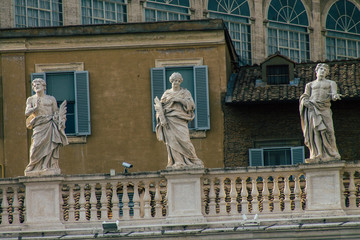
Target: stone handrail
column 122, row 197
column 12, row 202
column 350, row 187
column 265, row 191
column 180, row 196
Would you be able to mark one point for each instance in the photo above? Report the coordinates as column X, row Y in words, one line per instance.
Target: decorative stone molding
column 178, row 62
column 59, row 67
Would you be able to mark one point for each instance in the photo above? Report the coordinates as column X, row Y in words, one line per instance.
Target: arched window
column 166, row 10
column 288, row 29
column 343, row 31
column 236, row 14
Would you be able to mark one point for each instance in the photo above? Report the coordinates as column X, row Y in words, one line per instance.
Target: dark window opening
column 277, row 74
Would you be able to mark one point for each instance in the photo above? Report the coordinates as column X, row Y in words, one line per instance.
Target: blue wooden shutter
column 37, row 75
column 158, row 87
column 201, row 98
column 256, row 156
column 297, row 155
column 82, row 103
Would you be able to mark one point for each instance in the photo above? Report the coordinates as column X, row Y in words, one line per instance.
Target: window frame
column 287, row 25
column 201, row 93
column 104, row 20
column 334, row 34
column 182, row 12
column 271, row 67
column 242, row 38
column 82, row 101
column 25, row 14
column 256, row 155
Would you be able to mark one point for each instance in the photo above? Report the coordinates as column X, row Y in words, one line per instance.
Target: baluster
column 125, row 200
column 115, row 202
column 93, row 203
column 276, row 194
column 16, row 206
column 5, row 208
column 147, row 199
column 71, row 203
column 212, row 196
column 244, row 195
column 255, row 194
column 297, row 191
column 222, row 195
column 136, row 200
column 62, row 210
column 305, row 192
column 104, row 203
column 352, row 191
column 233, row 196
column 82, row 202
column 157, row 199
column 265, row 195
column 287, row 193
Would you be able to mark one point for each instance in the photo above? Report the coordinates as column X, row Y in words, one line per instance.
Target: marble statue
column 48, row 124
column 316, row 117
column 173, row 113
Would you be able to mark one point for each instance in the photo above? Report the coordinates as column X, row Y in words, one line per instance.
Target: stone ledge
column 77, row 139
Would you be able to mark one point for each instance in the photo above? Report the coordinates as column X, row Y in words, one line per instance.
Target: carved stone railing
column 12, row 200
column 350, row 188
column 265, row 191
column 125, row 197
column 188, row 196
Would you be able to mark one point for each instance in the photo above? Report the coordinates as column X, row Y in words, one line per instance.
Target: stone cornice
column 139, row 40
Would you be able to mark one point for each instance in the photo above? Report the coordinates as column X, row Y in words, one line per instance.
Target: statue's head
column 38, row 81
column 323, row 65
column 177, row 76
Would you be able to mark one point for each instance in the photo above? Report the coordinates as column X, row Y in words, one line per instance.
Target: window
column 236, row 15
column 343, row 31
column 195, row 80
column 72, row 86
column 277, row 74
column 167, row 10
column 103, row 11
column 276, row 156
column 38, row 13
column 288, row 30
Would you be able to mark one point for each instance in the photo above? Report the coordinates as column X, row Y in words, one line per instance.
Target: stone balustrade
column 264, row 191
column 180, row 196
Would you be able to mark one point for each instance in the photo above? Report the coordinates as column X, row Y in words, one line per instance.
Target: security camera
column 127, row 165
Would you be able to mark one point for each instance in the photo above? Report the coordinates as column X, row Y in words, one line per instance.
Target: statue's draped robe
column 318, row 119
column 175, row 135
column 46, row 140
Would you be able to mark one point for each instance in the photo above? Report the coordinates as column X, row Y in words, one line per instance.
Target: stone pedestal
column 323, row 187
column 43, row 205
column 184, row 196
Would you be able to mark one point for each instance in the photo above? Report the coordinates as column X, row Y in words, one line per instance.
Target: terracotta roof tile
column 345, row 73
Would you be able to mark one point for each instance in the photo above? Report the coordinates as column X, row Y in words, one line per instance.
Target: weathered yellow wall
column 120, row 102
column 15, row 145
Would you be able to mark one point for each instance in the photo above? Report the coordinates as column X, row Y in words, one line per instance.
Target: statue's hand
column 179, row 100
column 157, row 107
column 164, row 124
column 306, row 103
column 336, row 97
column 36, row 105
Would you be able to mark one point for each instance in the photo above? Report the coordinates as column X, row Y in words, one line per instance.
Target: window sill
column 196, row 134
column 76, row 139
